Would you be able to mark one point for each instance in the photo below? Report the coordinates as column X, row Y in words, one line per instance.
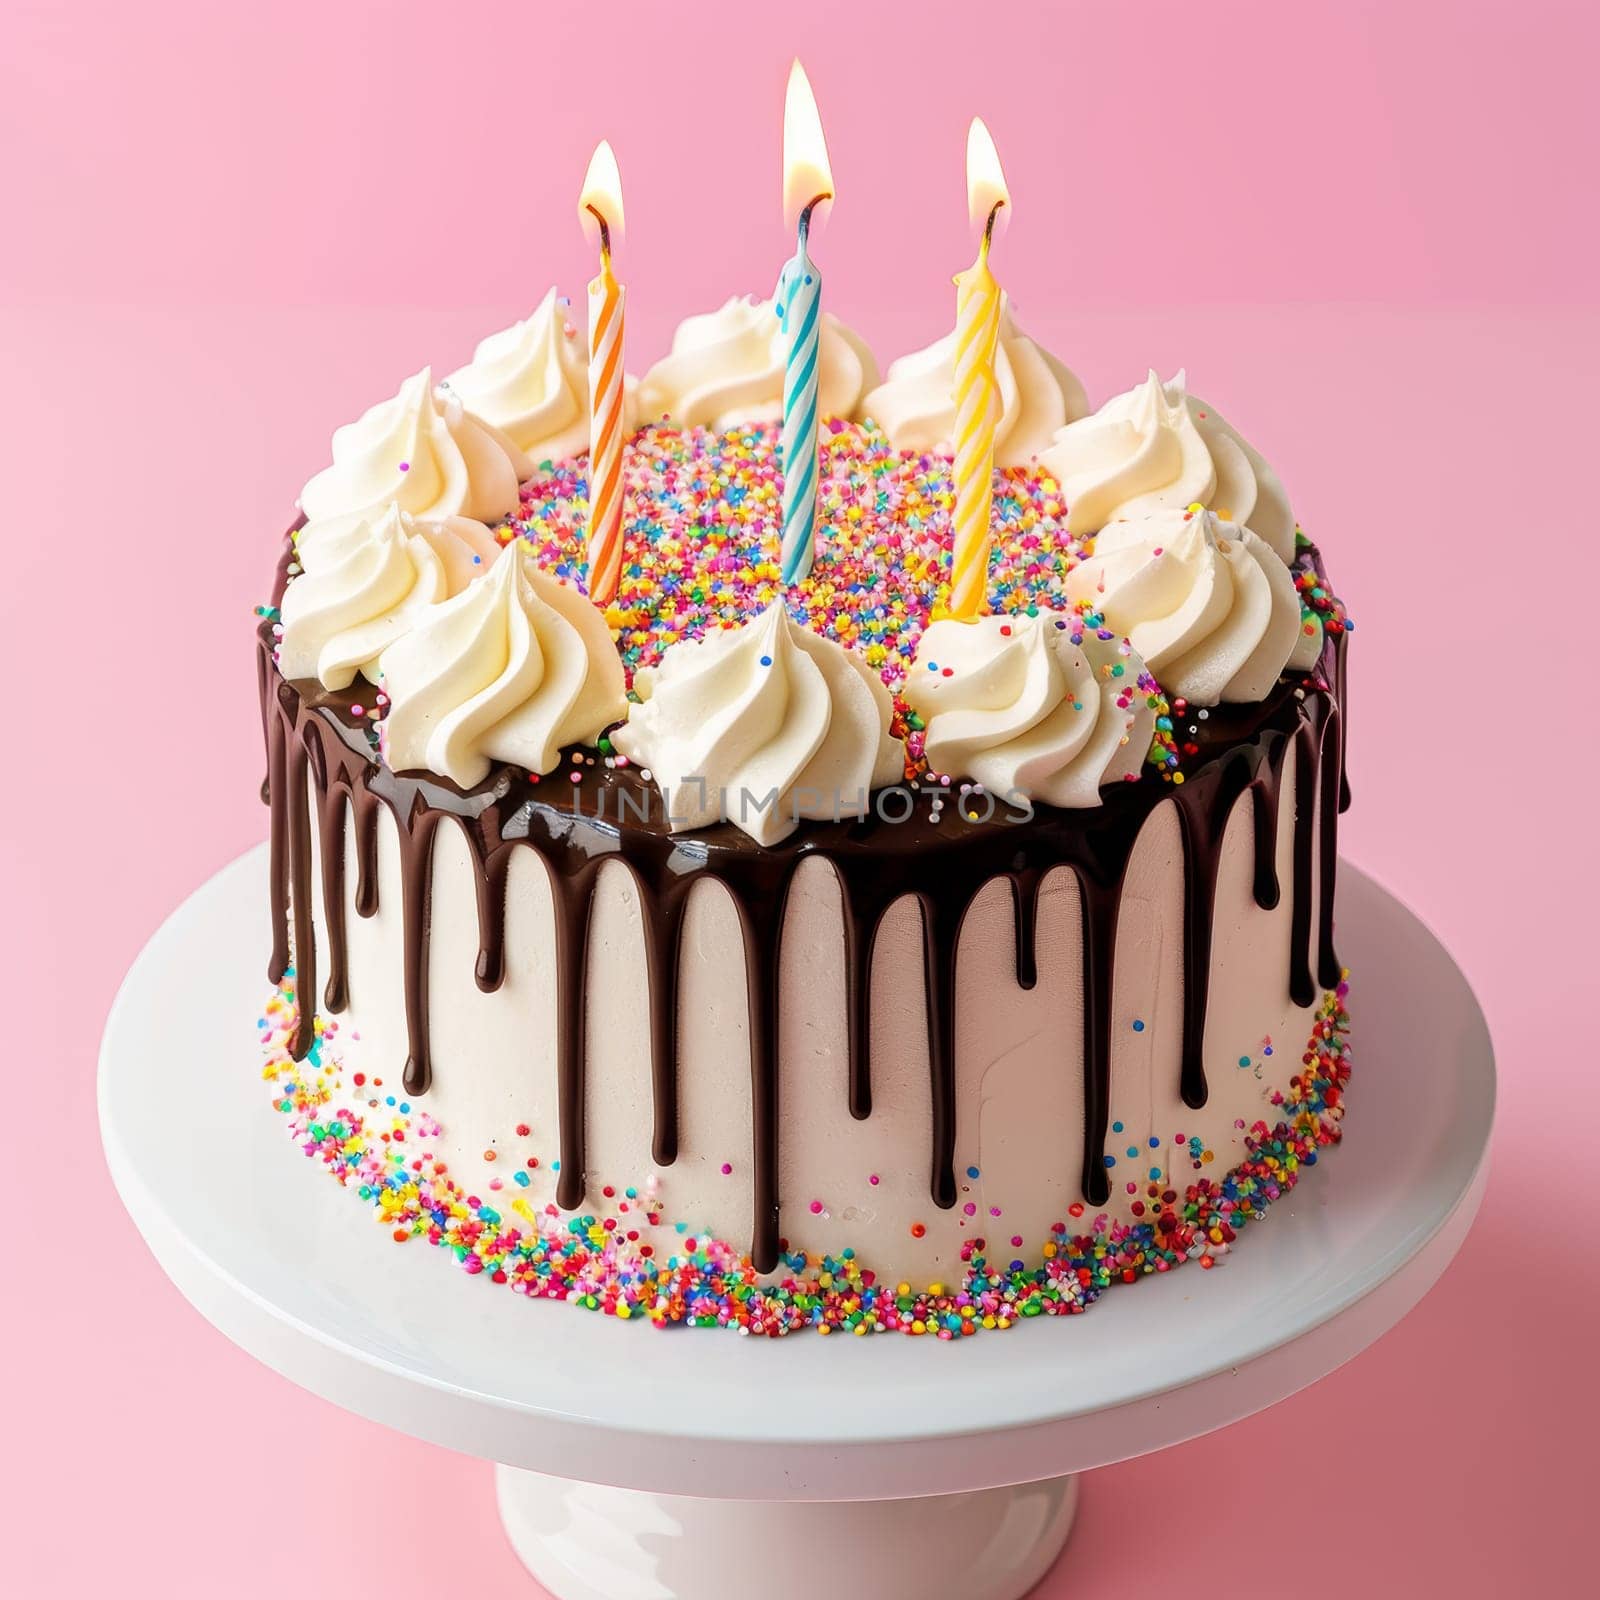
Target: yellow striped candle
column 977, row 395
column 600, row 206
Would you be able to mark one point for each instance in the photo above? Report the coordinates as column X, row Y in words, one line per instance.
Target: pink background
column 1366, row 228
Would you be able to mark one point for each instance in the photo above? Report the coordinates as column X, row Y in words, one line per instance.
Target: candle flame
column 807, row 177
column 600, row 203
column 986, row 183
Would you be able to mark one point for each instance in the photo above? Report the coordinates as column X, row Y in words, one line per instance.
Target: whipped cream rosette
column 1207, row 603
column 915, row 403
column 465, row 548
column 368, row 587
column 1159, row 448
column 762, row 725
column 1032, row 706
column 424, row 452
column 512, row 669
column 726, row 369
column 531, row 381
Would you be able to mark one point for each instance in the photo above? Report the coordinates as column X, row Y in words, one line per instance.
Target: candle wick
column 805, row 216
column 988, row 227
column 605, row 235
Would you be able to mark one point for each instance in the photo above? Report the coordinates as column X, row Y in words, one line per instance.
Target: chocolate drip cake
column 771, row 955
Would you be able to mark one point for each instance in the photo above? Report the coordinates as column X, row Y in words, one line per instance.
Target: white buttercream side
column 1019, row 1099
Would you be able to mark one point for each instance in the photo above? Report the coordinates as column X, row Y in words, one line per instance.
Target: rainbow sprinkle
column 376, row 1145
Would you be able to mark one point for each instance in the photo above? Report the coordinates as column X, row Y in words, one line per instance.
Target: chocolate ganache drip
column 321, row 753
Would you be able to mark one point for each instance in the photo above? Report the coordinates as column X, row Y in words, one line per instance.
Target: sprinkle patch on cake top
column 702, row 519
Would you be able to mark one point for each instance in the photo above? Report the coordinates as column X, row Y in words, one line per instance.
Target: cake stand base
column 693, row 1465
column 585, row 1541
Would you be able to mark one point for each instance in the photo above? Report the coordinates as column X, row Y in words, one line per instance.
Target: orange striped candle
column 600, row 206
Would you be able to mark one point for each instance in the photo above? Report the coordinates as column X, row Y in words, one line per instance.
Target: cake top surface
column 702, row 536
column 704, row 515
column 1146, row 553
column 702, row 529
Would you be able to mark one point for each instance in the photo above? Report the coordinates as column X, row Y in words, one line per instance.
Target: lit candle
column 977, row 395
column 807, row 182
column 600, row 210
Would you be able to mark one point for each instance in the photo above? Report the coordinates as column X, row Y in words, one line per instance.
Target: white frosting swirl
column 424, row 452
column 1037, row 707
column 1209, row 605
column 1308, row 644
column 338, row 619
column 532, row 382
column 726, row 369
column 761, row 725
column 512, row 669
column 1158, row 448
column 915, row 404
column 465, row 548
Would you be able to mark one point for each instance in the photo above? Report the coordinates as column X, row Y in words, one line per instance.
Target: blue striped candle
column 799, row 305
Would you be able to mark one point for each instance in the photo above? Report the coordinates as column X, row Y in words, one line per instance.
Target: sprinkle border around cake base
column 377, row 1145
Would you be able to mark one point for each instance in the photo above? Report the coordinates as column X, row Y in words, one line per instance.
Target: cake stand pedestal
column 641, row 1465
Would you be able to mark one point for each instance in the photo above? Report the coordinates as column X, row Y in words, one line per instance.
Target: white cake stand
column 646, row 1465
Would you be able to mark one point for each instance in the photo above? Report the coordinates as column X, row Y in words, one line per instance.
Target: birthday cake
column 735, row 951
